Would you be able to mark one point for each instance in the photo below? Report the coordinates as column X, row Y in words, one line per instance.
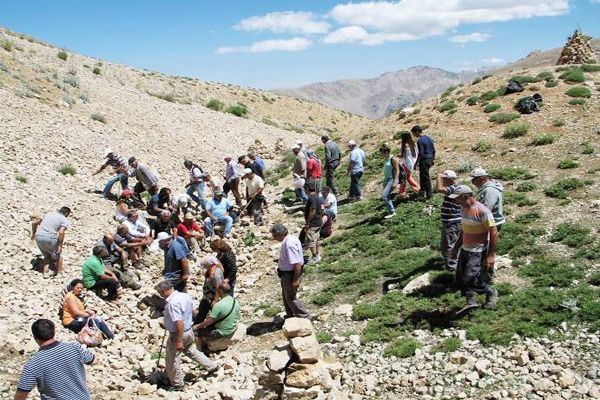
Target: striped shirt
column 118, row 162
column 476, row 223
column 57, row 371
column 450, row 211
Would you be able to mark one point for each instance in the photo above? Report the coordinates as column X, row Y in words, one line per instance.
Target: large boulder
column 294, row 327
column 220, row 344
column 306, row 348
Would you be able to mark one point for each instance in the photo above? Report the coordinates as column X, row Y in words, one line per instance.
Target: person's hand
column 489, row 261
column 296, row 283
column 179, row 345
column 59, row 249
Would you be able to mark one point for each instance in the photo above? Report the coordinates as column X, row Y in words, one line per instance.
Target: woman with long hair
column 408, row 154
column 391, row 174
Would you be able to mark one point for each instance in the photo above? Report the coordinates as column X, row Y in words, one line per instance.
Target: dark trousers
column 450, row 233
column 109, row 284
column 355, row 190
column 468, row 273
column 293, row 306
column 329, row 178
column 233, row 186
column 203, row 310
column 77, row 325
column 424, row 178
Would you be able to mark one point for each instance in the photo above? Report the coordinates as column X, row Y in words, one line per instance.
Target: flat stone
column 417, row 284
column 278, row 359
column 295, row 327
column 305, row 375
column 306, row 348
column 344, row 310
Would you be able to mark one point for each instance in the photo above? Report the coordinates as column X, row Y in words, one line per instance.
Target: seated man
column 165, row 223
column 96, row 277
column 218, row 212
column 133, row 246
column 159, row 202
column 223, row 319
column 117, row 262
column 191, row 232
column 137, row 226
column 329, row 203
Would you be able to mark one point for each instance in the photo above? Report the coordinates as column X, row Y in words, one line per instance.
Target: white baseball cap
column 449, row 174
column 295, row 147
column 155, row 246
column 299, row 142
column 477, row 172
column 352, row 143
column 246, row 171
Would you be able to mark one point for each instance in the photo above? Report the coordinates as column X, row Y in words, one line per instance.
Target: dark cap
column 131, row 160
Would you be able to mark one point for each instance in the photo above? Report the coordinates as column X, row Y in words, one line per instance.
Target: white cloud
column 295, row 44
column 284, row 22
column 386, row 21
column 471, row 37
column 493, row 61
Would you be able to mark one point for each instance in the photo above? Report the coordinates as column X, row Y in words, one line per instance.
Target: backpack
column 514, row 87
column 529, row 104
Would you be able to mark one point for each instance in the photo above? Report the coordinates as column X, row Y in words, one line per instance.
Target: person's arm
column 491, row 252
column 179, row 335
column 210, row 215
column 327, row 154
column 432, row 151
column 297, row 273
column 208, row 321
column 72, row 307
column 419, row 152
column 108, row 275
column 396, row 167
column 61, row 239
column 311, row 215
column 457, row 246
column 102, row 167
column 185, row 269
column 439, row 185
column 34, row 225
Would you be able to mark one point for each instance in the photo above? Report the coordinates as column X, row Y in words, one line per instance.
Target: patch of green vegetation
column 476, row 81
column 504, row 118
column 324, row 336
column 518, row 199
column 251, row 239
column 546, row 272
column 67, row 169
column 62, row 55
column 563, row 188
column 525, row 79
column 586, row 148
column 282, row 169
column 551, row 84
column 96, row 71
column 481, row 146
column 98, row 117
column 543, row 139
column 215, row 104
column 272, row 311
column 501, row 91
column 526, row 187
column 239, row 109
column 6, row 45
column 577, row 102
column 511, row 173
column 558, row 123
column 267, row 99
column 491, row 108
column 402, row 347
column 447, row 106
column 594, row 279
column 572, row 235
column 490, row 95
column 449, row 91
column 545, row 76
column 572, row 74
column 590, row 67
column 515, row 130
column 21, row 178
column 471, row 101
column 166, row 97
column 448, row 345
column 528, row 217
column 567, row 163
column 579, row 91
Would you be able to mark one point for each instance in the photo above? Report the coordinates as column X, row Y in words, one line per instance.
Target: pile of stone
column 296, row 369
column 578, row 50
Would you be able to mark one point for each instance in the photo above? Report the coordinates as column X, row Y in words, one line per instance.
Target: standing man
column 355, row 169
column 49, row 235
column 195, row 184
column 97, row 277
column 41, row 369
column 213, row 184
column 259, row 164
column 313, row 211
column 451, row 215
column 489, row 194
column 232, row 178
column 289, row 269
column 146, row 179
column 299, row 170
column 425, row 159
column 314, row 171
column 477, row 248
column 254, row 189
column 217, row 209
column 119, row 166
column 333, row 155
column 177, row 263
column 178, row 321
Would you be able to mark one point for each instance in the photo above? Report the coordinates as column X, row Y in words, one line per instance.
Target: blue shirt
column 357, row 159
column 178, row 307
column 219, row 210
column 425, row 148
column 259, row 163
column 177, row 251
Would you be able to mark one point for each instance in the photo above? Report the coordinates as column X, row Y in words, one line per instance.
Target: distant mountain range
column 378, row 97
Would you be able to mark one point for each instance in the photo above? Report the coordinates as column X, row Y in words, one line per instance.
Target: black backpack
column 529, row 104
column 514, row 87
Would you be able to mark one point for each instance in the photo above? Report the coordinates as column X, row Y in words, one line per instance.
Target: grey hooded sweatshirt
column 490, row 194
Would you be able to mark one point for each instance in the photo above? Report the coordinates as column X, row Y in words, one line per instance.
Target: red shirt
column 313, row 168
column 184, row 229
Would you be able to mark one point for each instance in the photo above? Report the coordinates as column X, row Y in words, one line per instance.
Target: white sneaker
column 390, row 215
column 317, row 258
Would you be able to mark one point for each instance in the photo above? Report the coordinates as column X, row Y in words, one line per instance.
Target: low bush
column 558, row 123
column 571, row 234
column 471, row 101
column 587, row 149
column 272, row 311
column 594, row 279
column 21, row 178
column 476, row 81
column 324, row 336
column 6, row 45
column 515, row 130
column 545, row 76
column 525, row 79
column 511, row 173
column 577, row 102
column 487, row 96
column 579, row 91
column 526, row 187
column 99, row 118
column 71, row 80
column 447, row 106
column 563, row 188
column 215, row 104
column 449, row 91
column 402, row 347
column 567, row 163
column 491, row 108
column 62, row 55
column 239, row 109
column 543, row 139
column 572, row 74
column 448, row 345
column 481, row 146
column 545, row 272
column 518, row 199
column 528, row 217
column 501, row 91
column 503, row 118
column 67, row 169
column 96, row 71
column 591, row 67
column 551, row 84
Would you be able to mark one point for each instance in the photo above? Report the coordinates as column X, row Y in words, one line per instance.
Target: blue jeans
column 77, row 324
column 112, row 180
column 227, row 220
column 386, row 195
column 197, row 188
column 301, row 195
column 355, row 190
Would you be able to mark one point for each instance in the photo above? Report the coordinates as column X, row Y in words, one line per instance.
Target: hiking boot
column 471, row 302
column 392, row 215
column 491, row 299
column 314, row 260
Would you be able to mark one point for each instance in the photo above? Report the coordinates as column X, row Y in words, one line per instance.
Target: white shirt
column 332, row 201
column 139, row 229
column 179, row 307
column 254, row 185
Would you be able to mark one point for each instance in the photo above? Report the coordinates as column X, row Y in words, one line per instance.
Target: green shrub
column 545, row 272
column 448, row 345
column 491, row 108
column 511, row 173
column 476, row 81
column 71, row 80
column 526, row 187
column 579, row 91
column 518, row 199
column 528, row 217
column 324, row 336
column 96, row 70
column 21, row 178
column 487, row 96
column 271, row 311
column 215, row 104
column 543, row 139
column 571, row 234
column 503, row 118
column 567, row 163
column 577, row 102
column 398, row 135
column 591, row 67
column 447, row 106
column 558, row 123
column 515, row 130
column 67, row 169
column 562, row 188
column 99, row 118
column 525, row 79
column 501, row 91
column 594, row 279
column 62, row 55
column 545, row 76
column 481, row 147
column 238, row 109
column 551, row 84
column 572, row 74
column 402, row 348
column 587, row 149
column 448, row 91
column 471, row 101
column 6, row 45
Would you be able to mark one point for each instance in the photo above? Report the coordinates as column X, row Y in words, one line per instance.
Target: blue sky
column 280, row 43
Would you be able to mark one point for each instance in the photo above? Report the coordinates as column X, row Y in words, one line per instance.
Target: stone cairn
column 296, row 369
column 578, row 50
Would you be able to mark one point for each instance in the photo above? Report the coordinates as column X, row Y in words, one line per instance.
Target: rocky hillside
column 377, row 97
